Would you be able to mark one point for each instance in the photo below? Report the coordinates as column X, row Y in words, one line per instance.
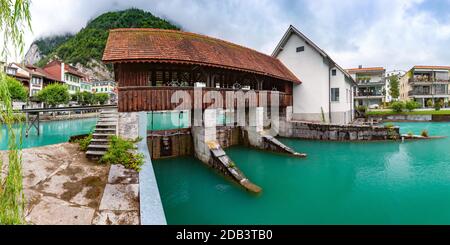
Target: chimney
column 360, row 66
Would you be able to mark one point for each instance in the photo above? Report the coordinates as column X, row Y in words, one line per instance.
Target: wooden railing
column 140, row 98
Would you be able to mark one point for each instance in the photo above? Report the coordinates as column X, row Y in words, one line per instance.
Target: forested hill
column 85, row 48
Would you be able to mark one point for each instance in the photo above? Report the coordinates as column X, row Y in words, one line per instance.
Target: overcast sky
column 392, row 33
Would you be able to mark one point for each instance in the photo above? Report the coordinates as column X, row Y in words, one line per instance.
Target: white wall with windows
column 73, row 82
column 313, row 98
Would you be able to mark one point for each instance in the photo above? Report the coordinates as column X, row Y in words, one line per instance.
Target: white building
column 371, row 89
column 107, row 87
column 70, row 75
column 326, row 91
column 389, row 74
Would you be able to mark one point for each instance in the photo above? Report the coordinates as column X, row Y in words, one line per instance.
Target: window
column 300, row 49
column 36, row 81
column 335, row 94
column 333, row 72
column 11, row 71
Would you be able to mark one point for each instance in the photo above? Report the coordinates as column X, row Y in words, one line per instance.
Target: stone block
column 124, row 197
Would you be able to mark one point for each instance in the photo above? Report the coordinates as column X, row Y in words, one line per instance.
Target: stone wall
column 334, row 132
column 401, row 118
column 128, row 125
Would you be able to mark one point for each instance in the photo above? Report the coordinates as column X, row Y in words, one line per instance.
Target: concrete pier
column 257, row 137
column 208, row 150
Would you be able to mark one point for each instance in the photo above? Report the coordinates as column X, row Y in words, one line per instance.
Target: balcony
column 368, row 83
column 427, row 93
column 369, row 94
column 427, row 81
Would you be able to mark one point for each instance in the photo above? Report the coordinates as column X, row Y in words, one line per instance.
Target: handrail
column 73, row 108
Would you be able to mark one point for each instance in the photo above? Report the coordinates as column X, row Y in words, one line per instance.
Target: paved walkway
column 62, row 187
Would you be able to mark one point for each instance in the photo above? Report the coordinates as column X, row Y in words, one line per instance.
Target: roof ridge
column 190, row 33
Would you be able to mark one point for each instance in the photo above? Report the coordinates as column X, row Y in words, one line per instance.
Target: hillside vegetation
column 89, row 43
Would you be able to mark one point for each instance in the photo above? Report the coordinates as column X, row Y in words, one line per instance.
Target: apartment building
column 108, row 87
column 32, row 77
column 75, row 80
column 426, row 85
column 371, row 88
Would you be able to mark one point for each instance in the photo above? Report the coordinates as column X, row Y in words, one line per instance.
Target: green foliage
column 323, row 114
column 17, row 91
column 389, row 125
column 361, row 108
column 430, row 103
column 101, row 98
column 394, row 86
column 54, row 94
column 84, row 142
column 122, row 152
column 411, row 105
column 85, row 98
column 398, row 106
column 410, row 134
column 438, row 105
column 90, row 42
column 15, row 18
column 48, row 44
column 424, row 133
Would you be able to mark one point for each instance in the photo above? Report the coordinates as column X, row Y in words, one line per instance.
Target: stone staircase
column 105, row 128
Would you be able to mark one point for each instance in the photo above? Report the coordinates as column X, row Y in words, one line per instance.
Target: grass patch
column 84, row 142
column 431, row 112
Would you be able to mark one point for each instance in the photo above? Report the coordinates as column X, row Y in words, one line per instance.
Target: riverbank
column 62, row 187
column 68, row 116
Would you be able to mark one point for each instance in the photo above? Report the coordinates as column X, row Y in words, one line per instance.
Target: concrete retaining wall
column 334, row 132
column 403, row 118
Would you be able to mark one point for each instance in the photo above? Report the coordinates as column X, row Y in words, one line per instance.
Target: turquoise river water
column 52, row 132
column 338, row 183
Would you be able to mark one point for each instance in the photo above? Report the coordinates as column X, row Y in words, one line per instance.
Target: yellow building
column 426, row 85
column 107, row 87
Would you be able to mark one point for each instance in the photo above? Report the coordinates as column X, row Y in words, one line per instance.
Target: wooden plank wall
column 133, row 99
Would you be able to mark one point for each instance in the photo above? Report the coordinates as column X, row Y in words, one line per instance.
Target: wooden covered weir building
column 151, row 64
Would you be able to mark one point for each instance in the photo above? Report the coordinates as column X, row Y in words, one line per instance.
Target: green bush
column 54, row 94
column 121, row 151
column 430, row 103
column 389, row 125
column 398, row 106
column 361, row 108
column 438, row 105
column 411, row 105
column 84, row 142
column 101, row 98
column 424, row 133
column 410, row 134
column 17, row 91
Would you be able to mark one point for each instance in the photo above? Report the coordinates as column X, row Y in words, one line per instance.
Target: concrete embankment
column 335, row 132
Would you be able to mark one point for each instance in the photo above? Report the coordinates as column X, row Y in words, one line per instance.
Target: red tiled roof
column 368, row 69
column 432, row 67
column 37, row 71
column 74, row 71
column 156, row 45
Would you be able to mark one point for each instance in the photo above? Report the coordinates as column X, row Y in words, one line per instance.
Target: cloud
column 392, row 33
